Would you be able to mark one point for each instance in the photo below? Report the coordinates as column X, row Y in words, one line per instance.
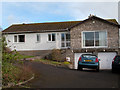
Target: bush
column 56, row 55
column 13, row 71
column 14, row 74
column 9, row 73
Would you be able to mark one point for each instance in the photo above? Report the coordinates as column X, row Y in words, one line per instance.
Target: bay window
column 95, row 39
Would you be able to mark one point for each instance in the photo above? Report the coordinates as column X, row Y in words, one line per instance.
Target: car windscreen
column 117, row 58
column 89, row 56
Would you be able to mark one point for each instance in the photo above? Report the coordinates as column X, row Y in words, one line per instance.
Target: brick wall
column 76, row 38
column 112, row 33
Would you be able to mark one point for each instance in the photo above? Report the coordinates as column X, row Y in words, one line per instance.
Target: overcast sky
column 36, row 12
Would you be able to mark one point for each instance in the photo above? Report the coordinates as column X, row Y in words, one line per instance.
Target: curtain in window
column 83, row 39
column 102, row 38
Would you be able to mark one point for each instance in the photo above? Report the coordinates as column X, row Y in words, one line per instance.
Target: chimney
column 90, row 16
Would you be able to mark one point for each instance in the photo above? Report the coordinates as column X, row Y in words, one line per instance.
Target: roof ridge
column 52, row 25
column 46, row 23
column 54, row 22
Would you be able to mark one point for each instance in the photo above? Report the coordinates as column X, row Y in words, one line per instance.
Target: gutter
column 42, row 31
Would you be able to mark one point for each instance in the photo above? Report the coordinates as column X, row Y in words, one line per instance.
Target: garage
column 105, row 59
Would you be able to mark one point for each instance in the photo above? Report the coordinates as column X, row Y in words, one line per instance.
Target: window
column 67, row 37
column 65, row 40
column 51, row 37
column 63, row 44
column 19, row 38
column 38, row 37
column 94, row 39
column 15, row 38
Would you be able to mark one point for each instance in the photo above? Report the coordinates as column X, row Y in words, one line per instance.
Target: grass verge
column 55, row 63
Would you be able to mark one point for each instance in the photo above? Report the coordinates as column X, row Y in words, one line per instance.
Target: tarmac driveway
column 47, row 76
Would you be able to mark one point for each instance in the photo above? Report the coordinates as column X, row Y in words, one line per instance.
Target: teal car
column 88, row 61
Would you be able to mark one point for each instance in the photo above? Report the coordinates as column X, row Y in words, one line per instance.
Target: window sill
column 97, row 47
column 38, row 42
column 51, row 41
column 19, row 42
column 65, row 47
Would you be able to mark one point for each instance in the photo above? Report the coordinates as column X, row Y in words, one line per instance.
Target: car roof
column 89, row 54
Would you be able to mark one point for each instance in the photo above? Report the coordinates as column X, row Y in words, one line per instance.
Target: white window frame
column 39, row 37
column 94, row 39
column 65, row 40
column 14, row 38
column 51, row 37
column 18, row 38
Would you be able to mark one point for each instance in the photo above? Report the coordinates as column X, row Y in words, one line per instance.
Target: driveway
column 47, row 76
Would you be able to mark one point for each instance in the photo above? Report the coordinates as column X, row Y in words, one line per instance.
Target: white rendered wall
column 31, row 42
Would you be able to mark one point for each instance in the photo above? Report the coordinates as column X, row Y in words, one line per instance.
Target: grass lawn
column 23, row 56
column 55, row 63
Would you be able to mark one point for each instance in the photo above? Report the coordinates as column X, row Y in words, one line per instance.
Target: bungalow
column 92, row 35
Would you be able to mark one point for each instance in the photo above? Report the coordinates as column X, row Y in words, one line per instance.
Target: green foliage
column 4, row 44
column 52, row 62
column 8, row 57
column 66, row 63
column 19, row 56
column 11, row 70
column 9, row 73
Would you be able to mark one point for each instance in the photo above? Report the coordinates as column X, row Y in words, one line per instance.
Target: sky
column 37, row 12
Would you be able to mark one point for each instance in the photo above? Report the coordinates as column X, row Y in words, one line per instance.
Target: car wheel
column 80, row 68
column 113, row 70
column 97, row 69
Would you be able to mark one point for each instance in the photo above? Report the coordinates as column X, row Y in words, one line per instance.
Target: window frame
column 94, row 39
column 51, row 36
column 65, row 41
column 37, row 38
column 18, row 38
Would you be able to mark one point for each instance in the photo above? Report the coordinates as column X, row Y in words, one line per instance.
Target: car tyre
column 80, row 68
column 97, row 69
column 113, row 70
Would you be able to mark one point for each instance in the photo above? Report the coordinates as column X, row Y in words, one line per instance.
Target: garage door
column 77, row 55
column 106, row 59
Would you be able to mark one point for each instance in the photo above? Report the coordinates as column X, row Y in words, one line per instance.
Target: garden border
column 20, row 83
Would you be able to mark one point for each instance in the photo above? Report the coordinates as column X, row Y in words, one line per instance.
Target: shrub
column 11, row 73
column 56, row 55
